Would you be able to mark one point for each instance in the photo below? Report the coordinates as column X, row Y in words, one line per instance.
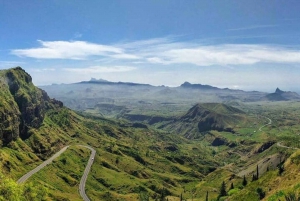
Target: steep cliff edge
column 9, row 114
column 22, row 105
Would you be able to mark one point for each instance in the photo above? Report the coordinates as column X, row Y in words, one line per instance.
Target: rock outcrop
column 22, row 105
column 280, row 95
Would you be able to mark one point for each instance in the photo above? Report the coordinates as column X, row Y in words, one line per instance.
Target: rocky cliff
column 22, row 105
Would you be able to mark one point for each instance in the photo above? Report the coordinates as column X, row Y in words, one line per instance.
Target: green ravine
column 160, row 153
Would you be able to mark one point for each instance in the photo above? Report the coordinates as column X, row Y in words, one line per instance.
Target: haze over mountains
column 125, row 99
column 199, row 100
column 151, row 146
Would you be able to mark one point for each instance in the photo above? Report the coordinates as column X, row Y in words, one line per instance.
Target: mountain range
column 280, row 95
column 176, row 149
column 130, row 100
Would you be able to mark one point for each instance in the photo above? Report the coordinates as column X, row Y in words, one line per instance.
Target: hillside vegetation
column 205, row 117
column 189, row 155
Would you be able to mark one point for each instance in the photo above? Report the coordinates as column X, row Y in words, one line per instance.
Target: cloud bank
column 70, row 50
column 164, row 51
column 100, row 69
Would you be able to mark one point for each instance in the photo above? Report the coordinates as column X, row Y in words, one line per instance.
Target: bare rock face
column 9, row 115
column 22, row 105
column 28, row 98
column 264, row 146
column 9, row 125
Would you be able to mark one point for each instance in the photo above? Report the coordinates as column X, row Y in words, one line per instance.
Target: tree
column 34, row 193
column 231, row 186
column 257, row 175
column 117, row 160
column 260, row 193
column 280, row 168
column 10, row 190
column 206, row 199
column 223, row 190
column 162, row 195
column 108, row 196
column 244, row 181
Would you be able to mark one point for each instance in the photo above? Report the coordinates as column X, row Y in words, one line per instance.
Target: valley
column 149, row 143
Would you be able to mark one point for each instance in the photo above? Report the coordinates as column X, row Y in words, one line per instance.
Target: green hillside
column 204, row 117
column 135, row 160
column 143, row 160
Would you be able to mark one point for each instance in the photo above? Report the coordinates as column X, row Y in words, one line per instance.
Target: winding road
column 251, row 168
column 270, row 122
column 280, row 145
column 83, row 178
column 85, row 174
column 38, row 168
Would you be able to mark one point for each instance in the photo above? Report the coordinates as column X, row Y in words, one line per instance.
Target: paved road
column 270, row 122
column 83, row 178
column 38, row 168
column 85, row 174
column 280, row 145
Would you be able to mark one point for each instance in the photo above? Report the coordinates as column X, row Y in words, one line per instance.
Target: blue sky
column 250, row 45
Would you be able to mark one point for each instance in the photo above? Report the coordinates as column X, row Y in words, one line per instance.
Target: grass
column 63, row 175
column 131, row 161
column 113, row 143
column 123, row 167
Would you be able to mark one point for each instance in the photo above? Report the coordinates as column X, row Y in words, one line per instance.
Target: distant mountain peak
column 106, row 82
column 278, row 91
column 197, row 86
column 98, row 80
column 185, row 84
column 280, row 95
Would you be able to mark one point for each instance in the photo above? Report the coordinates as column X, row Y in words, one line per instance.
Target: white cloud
column 208, row 55
column 226, row 55
column 39, row 70
column 145, row 43
column 10, row 64
column 67, row 50
column 124, row 56
column 100, row 69
column 167, row 51
column 156, row 60
column 164, row 51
